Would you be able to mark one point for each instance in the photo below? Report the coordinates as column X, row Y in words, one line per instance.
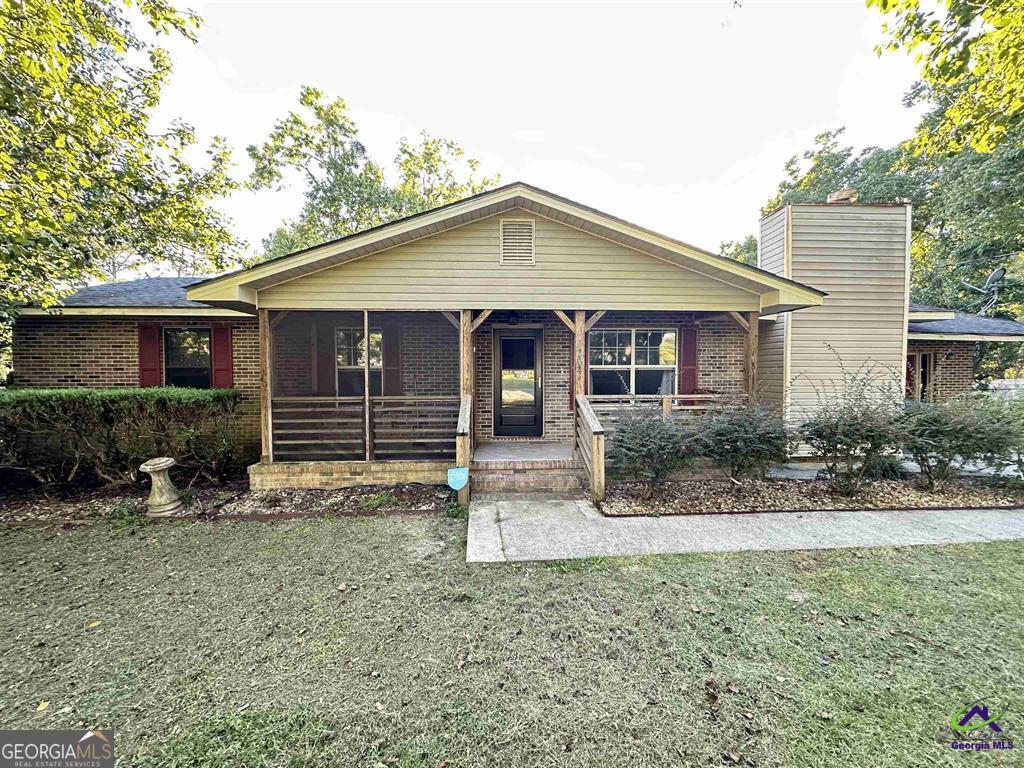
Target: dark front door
column 518, row 363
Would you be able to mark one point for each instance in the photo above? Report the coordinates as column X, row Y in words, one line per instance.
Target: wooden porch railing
column 318, row 428
column 335, row 428
column 590, row 446
column 464, row 442
column 610, row 408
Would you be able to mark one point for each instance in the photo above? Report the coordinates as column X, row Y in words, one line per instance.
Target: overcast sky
column 675, row 116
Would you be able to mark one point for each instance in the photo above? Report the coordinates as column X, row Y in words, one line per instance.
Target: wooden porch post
column 367, row 403
column 266, row 421
column 466, row 352
column 752, row 342
column 464, row 433
column 579, row 353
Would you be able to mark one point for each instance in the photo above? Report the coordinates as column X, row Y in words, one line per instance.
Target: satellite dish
column 995, row 278
column 990, row 290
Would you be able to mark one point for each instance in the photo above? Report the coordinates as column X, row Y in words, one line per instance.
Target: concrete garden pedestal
column 164, row 499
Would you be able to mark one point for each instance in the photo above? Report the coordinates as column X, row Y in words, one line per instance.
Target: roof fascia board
column 131, row 312
column 922, row 317
column 963, row 337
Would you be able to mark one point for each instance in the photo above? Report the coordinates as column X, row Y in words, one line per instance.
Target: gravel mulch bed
column 229, row 500
column 717, row 496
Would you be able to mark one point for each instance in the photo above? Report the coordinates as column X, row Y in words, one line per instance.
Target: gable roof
column 238, row 289
column 966, row 327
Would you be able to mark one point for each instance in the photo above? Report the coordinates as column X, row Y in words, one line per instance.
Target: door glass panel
column 518, row 376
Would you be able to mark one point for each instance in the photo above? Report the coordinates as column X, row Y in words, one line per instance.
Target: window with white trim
column 350, row 361
column 633, row 361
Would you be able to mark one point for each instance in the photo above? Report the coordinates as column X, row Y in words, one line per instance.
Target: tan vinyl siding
column 858, row 255
column 771, row 350
column 461, row 268
column 771, row 361
column 771, row 255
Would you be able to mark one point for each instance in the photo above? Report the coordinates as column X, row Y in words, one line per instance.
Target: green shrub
column 885, row 467
column 942, row 437
column 853, row 425
column 743, row 438
column 57, row 434
column 648, row 446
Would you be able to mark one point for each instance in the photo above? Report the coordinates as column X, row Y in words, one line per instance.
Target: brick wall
column 104, row 352
column 954, row 365
column 430, row 355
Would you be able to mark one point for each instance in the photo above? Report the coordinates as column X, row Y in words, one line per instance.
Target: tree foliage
column 744, row 250
column 345, row 190
column 971, row 56
column 85, row 180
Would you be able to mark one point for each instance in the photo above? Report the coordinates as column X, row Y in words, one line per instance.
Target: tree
column 971, row 55
column 84, row 179
column 744, row 250
column 346, row 191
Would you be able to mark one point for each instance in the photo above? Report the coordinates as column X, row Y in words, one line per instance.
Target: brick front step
column 535, row 480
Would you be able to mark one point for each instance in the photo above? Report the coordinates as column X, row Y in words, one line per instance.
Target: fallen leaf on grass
column 732, row 757
column 43, row 705
column 92, row 624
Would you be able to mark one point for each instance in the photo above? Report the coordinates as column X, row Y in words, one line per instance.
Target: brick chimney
column 846, row 195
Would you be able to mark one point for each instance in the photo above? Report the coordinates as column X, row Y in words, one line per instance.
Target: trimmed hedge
column 57, row 435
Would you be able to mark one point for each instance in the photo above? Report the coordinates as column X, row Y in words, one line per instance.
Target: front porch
column 366, row 397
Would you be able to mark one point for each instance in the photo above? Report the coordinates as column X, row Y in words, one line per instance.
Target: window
column 187, row 357
column 636, row 361
column 517, row 243
column 350, row 355
column 920, row 374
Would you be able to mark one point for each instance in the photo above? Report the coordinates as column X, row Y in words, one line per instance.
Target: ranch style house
column 504, row 332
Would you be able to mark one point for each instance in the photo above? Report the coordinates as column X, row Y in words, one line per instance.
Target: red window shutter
column 149, row 355
column 688, row 360
column 220, row 352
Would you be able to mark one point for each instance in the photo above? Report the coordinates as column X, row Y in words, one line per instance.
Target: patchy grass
column 369, row 641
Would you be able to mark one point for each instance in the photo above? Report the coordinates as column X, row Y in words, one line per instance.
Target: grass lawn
column 365, row 642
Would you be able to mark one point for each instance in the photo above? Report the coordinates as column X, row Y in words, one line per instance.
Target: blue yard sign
column 458, row 477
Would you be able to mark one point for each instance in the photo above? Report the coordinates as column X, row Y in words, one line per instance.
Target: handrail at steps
column 590, row 445
column 464, row 443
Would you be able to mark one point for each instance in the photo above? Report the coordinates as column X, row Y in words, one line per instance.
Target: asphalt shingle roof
column 145, row 292
column 966, row 323
column 926, row 308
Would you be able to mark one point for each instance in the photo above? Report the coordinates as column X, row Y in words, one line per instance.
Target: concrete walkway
column 512, row 529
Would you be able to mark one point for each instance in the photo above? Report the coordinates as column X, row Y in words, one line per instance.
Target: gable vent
column 517, row 243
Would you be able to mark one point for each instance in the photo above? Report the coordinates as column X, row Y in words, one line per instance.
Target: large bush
column 853, row 425
column 56, row 435
column 942, row 437
column 649, row 446
column 743, row 439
